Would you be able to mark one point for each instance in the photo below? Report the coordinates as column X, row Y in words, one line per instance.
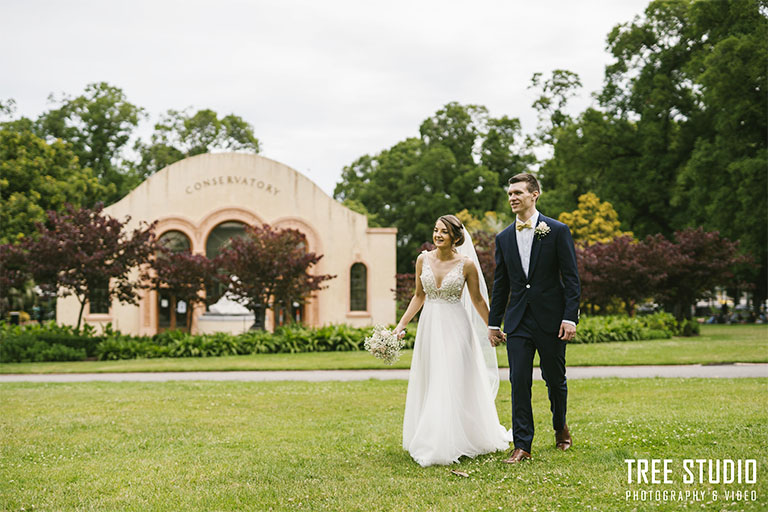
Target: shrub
column 48, row 342
column 62, row 343
column 286, row 339
column 601, row 329
column 689, row 327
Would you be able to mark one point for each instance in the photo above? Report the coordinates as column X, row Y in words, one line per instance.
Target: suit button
column 527, row 286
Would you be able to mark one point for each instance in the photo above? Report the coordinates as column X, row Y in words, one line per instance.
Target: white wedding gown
column 449, row 409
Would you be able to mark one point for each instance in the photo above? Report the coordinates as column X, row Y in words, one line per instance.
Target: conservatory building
column 201, row 202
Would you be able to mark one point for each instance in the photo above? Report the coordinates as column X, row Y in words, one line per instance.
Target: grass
column 337, row 446
column 718, row 344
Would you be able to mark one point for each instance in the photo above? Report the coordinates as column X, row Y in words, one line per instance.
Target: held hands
column 496, row 337
column 567, row 331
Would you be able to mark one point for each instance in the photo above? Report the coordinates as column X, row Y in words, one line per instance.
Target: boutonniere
column 542, row 230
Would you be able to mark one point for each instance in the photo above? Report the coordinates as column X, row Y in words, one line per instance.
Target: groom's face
column 520, row 199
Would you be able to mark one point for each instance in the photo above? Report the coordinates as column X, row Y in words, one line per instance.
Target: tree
column 415, row 181
column 180, row 134
column 593, row 221
column 551, row 105
column 186, row 276
column 35, row 177
column 81, row 251
column 98, row 125
column 679, row 137
column 14, row 275
column 620, row 268
column 457, row 128
column 723, row 183
column 692, row 266
column 483, row 232
column 269, row 267
column 503, row 151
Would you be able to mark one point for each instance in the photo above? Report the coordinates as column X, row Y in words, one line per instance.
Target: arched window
column 358, row 287
column 176, row 241
column 218, row 240
column 221, row 234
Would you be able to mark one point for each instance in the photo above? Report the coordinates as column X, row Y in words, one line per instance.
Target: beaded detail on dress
column 451, row 287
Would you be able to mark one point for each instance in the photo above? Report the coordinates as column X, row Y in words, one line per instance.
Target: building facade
column 202, row 201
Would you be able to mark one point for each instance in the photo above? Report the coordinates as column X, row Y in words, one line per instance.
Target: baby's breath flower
column 384, row 344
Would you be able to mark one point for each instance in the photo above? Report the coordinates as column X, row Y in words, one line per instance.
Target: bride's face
column 441, row 237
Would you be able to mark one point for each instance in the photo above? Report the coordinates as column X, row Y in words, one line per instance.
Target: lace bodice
column 451, row 287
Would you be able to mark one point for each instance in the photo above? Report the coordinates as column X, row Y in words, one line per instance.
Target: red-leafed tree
column 485, row 247
column 675, row 273
column 78, row 251
column 404, row 288
column 188, row 277
column 691, row 267
column 623, row 268
column 270, row 267
column 14, row 274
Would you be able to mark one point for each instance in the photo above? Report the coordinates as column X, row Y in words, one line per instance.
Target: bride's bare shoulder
column 468, row 267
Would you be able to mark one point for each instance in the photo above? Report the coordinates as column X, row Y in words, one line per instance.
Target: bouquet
column 384, row 344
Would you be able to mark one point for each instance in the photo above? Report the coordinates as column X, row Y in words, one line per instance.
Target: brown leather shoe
column 517, row 455
column 563, row 439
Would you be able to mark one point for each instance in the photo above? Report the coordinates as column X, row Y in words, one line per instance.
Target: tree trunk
column 80, row 316
column 681, row 311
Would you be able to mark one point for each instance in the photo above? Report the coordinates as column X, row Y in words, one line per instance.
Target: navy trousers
column 522, row 344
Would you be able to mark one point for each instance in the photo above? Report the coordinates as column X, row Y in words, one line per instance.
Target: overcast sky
column 322, row 82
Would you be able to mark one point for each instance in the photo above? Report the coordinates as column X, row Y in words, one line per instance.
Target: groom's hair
column 529, row 179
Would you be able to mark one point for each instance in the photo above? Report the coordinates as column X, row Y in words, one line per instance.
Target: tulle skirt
column 449, row 409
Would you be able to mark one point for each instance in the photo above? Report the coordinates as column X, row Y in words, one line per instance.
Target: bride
column 450, row 409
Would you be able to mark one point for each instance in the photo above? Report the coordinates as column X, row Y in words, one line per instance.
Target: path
column 725, row 371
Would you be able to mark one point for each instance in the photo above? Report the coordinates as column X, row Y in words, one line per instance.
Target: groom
column 536, row 292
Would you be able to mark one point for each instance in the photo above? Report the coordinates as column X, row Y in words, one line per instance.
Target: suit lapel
column 516, row 251
column 535, row 248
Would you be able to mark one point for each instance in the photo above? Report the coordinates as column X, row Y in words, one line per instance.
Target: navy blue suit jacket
column 552, row 288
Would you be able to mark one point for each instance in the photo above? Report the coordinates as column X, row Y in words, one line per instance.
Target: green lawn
column 717, row 344
column 337, row 446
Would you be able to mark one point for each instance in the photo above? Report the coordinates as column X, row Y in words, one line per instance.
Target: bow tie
column 523, row 225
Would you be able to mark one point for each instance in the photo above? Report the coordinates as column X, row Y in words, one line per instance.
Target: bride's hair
column 455, row 228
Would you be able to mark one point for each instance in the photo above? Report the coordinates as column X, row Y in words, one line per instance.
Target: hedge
column 51, row 342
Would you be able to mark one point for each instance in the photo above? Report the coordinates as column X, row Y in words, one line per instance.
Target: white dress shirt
column 525, row 240
column 524, row 246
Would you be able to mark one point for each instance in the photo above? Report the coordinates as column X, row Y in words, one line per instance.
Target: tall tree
column 457, row 128
column 14, row 275
column 460, row 162
column 35, row 177
column 181, row 134
column 503, row 150
column 98, row 125
column 679, row 138
column 81, row 251
column 551, row 105
column 723, row 184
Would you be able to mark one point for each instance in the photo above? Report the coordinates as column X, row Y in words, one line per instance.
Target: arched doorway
column 217, row 240
column 173, row 312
